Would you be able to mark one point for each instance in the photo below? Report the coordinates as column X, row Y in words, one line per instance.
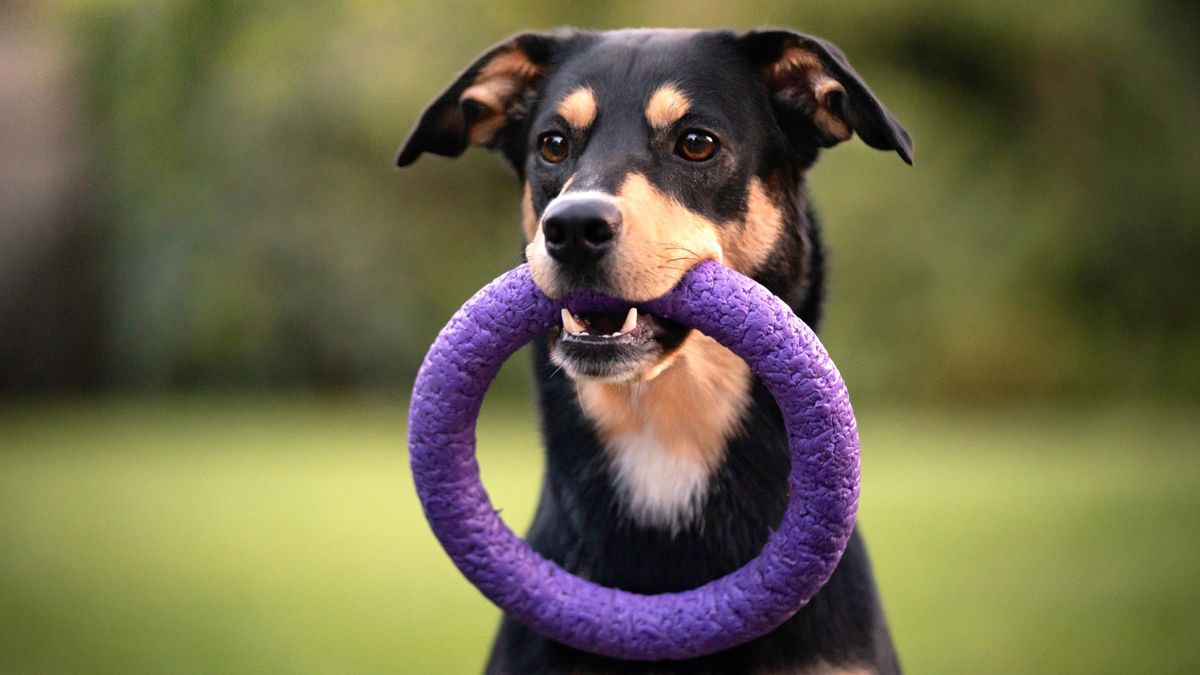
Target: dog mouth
column 613, row 346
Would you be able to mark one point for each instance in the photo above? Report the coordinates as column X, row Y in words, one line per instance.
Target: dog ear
column 486, row 102
column 811, row 82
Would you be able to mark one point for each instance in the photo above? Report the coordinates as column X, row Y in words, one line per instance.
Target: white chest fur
column 659, row 486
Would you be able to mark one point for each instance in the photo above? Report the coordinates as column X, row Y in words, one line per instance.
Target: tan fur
column 495, row 88
column 799, row 64
column 512, row 63
column 823, row 86
column 704, row 376
column 748, row 246
column 491, row 95
column 484, row 129
column 701, row 375
column 660, row 240
column 529, row 220
column 793, row 59
column 666, row 105
column 579, row 108
column 541, row 265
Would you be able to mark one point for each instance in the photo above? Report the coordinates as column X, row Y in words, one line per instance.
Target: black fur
column 769, row 134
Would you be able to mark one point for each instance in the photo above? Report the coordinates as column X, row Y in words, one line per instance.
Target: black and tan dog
column 641, row 152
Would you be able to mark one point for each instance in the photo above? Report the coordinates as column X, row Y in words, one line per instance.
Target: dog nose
column 580, row 230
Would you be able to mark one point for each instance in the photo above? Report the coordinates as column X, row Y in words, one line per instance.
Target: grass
column 254, row 535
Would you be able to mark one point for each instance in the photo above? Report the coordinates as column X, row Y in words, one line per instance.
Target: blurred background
column 215, row 290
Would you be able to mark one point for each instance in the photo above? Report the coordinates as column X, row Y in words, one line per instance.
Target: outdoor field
column 217, row 287
column 256, row 535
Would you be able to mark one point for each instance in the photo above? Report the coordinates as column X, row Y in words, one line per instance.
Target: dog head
column 644, row 152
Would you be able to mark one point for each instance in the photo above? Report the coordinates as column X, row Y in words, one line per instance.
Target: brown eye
column 553, row 147
column 696, row 145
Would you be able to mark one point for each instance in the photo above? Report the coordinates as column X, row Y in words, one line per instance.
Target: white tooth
column 630, row 321
column 570, row 324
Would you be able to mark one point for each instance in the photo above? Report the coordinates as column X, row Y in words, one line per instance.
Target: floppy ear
column 487, row 101
column 812, row 83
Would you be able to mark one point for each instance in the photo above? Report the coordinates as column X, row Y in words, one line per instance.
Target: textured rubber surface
column 797, row 559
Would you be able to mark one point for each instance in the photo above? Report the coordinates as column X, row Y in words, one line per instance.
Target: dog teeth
column 570, row 324
column 575, row 327
column 630, row 322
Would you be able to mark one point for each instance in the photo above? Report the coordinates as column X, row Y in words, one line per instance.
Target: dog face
column 644, row 152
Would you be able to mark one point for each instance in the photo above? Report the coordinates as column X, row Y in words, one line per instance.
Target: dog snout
column 579, row 231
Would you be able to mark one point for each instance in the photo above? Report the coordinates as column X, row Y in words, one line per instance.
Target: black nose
column 580, row 230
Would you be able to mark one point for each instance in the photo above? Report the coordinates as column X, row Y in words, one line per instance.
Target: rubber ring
column 798, row 557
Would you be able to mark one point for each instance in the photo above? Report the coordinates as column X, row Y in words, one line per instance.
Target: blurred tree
column 50, row 304
column 1046, row 242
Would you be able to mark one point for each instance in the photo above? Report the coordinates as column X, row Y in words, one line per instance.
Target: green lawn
column 282, row 535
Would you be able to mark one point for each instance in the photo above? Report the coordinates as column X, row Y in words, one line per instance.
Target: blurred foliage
column 1045, row 243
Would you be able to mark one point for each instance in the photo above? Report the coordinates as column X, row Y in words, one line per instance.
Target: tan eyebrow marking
column 748, row 247
column 666, row 105
column 579, row 108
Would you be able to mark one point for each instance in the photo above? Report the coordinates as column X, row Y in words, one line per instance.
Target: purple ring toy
column 797, row 559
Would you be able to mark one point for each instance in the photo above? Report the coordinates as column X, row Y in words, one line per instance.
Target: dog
column 641, row 153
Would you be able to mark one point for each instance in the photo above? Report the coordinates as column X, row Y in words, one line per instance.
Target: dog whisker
column 669, row 246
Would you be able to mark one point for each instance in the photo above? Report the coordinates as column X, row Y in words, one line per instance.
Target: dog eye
column 696, row 145
column 553, row 147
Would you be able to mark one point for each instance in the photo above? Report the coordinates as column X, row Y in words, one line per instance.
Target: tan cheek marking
column 666, row 105
column 541, row 266
column 579, row 108
column 540, row 263
column 660, row 240
column 528, row 218
column 797, row 61
column 749, row 245
column 705, row 376
column 494, row 88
